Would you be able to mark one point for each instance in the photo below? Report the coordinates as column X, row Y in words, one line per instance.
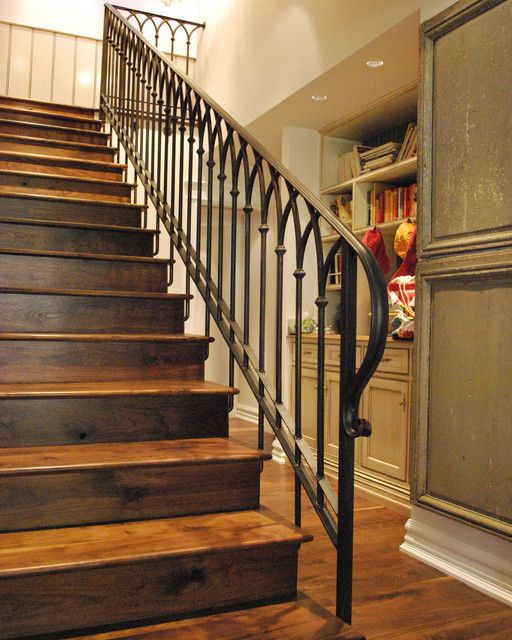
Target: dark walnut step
column 32, row 357
column 62, row 270
column 74, row 311
column 116, row 482
column 65, row 186
column 75, row 578
column 52, row 132
column 61, row 165
column 33, row 415
column 59, row 209
column 32, row 144
column 47, row 117
column 43, row 235
column 50, row 107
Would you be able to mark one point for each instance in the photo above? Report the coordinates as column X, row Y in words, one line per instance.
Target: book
column 402, row 154
column 342, row 209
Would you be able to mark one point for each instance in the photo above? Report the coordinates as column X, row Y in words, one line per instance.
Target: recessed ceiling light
column 374, row 63
column 319, row 97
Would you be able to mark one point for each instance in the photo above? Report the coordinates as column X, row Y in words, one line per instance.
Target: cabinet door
column 332, row 412
column 386, row 406
column 309, row 387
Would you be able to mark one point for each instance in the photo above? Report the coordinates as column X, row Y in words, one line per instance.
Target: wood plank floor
column 395, row 596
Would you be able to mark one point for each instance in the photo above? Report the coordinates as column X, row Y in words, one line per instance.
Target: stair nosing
column 86, row 146
column 50, row 114
column 154, row 387
column 68, row 255
column 46, row 159
column 173, row 457
column 288, row 536
column 67, row 178
column 81, row 201
column 96, row 293
column 54, row 127
column 34, row 336
column 76, row 225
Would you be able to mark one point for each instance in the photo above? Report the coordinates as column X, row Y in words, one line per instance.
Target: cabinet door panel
column 386, row 406
column 308, row 405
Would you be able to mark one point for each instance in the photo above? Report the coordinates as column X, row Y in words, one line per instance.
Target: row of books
column 362, row 159
column 386, row 203
column 335, row 273
column 409, row 146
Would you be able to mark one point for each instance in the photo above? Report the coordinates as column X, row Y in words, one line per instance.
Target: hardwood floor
column 395, row 597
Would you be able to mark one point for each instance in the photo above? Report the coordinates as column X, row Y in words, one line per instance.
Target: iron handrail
column 159, row 21
column 177, row 122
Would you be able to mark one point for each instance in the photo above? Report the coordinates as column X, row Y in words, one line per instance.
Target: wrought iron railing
column 225, row 204
column 173, row 36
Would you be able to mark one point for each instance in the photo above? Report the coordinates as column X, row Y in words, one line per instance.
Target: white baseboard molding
column 477, row 558
column 246, row 412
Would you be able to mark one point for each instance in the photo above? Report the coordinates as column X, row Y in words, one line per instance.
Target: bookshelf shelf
column 396, row 172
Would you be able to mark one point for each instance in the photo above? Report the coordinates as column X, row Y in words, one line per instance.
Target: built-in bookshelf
column 382, row 197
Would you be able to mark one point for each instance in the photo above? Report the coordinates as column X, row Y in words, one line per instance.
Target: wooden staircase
column 122, row 498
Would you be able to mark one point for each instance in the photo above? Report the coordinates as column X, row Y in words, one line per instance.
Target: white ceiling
column 357, row 95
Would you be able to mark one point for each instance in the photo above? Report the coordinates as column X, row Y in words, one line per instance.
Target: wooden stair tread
column 45, row 159
column 86, row 146
column 76, row 225
column 49, row 114
column 102, row 337
column 113, row 388
column 70, row 200
column 53, row 107
column 66, row 178
column 111, row 455
column 99, row 293
column 53, row 127
column 55, row 550
column 83, row 256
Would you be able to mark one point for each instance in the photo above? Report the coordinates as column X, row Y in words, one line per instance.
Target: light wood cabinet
column 382, row 460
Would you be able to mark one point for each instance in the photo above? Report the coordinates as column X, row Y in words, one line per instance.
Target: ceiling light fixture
column 319, row 97
column 374, row 63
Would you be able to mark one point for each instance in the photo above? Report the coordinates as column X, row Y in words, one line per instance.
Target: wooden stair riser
column 47, row 313
column 82, row 240
column 84, row 361
column 42, row 117
column 81, row 273
column 62, row 211
column 65, row 187
column 61, row 166
column 34, row 422
column 50, row 107
column 52, row 133
column 95, row 496
column 56, row 148
column 138, row 591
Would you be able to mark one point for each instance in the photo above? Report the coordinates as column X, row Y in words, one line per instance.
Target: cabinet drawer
column 332, row 355
column 394, row 361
